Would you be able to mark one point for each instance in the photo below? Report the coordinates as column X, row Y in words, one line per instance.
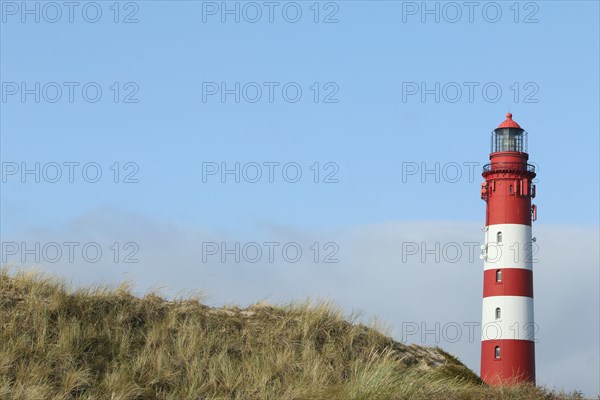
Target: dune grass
column 105, row 343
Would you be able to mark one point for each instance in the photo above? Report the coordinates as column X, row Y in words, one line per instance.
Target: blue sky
column 366, row 127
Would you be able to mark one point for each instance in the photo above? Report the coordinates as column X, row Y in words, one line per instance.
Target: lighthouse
column 507, row 344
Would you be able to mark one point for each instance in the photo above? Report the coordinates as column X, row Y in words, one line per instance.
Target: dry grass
column 105, row 343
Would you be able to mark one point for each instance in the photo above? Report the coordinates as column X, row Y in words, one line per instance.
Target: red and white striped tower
column 507, row 345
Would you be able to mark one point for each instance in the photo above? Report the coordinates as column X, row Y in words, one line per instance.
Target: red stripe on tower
column 507, row 344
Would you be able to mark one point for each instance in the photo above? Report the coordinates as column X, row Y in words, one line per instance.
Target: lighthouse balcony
column 509, row 167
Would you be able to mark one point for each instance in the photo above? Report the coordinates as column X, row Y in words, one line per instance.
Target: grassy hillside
column 103, row 343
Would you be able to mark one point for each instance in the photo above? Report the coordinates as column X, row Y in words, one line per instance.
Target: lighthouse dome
column 509, row 123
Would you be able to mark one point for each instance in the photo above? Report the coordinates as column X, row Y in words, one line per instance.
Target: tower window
column 497, row 352
column 499, row 237
column 511, row 189
column 498, row 313
column 498, row 275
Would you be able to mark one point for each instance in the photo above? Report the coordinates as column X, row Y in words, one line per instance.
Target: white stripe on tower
column 513, row 251
column 514, row 322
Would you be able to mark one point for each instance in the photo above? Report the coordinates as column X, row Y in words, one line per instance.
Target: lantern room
column 509, row 136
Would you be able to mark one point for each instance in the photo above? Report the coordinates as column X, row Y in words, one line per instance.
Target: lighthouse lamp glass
column 509, row 139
